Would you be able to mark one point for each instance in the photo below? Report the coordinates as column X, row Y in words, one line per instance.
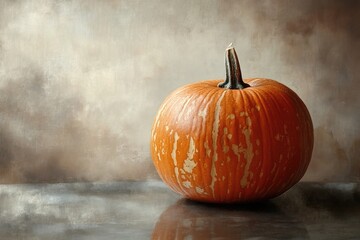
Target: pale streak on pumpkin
column 248, row 152
column 185, row 106
column 215, row 132
column 199, row 190
column 207, row 149
column 225, row 147
column 236, row 150
column 231, row 116
column 203, row 114
column 187, row 184
column 189, row 163
column 173, row 156
column 248, row 121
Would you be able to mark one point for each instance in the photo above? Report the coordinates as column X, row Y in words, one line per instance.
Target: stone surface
column 145, row 210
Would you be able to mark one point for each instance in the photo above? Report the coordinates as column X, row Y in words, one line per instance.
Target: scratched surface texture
column 81, row 81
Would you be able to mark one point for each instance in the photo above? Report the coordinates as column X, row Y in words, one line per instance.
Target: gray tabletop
column 149, row 210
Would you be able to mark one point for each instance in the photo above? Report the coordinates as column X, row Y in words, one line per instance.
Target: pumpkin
column 234, row 140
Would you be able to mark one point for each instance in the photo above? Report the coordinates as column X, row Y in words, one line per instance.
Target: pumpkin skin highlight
column 223, row 145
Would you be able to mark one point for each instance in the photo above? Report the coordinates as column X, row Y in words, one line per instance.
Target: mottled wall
column 81, row 81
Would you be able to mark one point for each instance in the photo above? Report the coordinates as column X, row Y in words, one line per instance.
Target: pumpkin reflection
column 191, row 220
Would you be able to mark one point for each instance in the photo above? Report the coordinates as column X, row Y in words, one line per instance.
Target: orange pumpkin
column 232, row 141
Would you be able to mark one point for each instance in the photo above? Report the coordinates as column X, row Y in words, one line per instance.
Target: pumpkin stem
column 233, row 79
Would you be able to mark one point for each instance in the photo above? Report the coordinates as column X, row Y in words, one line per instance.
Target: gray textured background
column 81, row 81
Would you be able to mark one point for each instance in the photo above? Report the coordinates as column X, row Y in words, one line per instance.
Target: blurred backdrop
column 81, row 81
